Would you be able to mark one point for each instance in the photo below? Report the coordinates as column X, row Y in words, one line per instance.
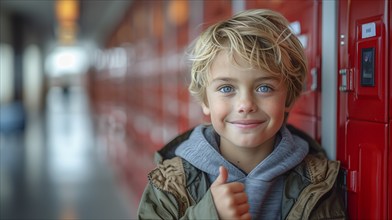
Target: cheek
column 219, row 109
column 278, row 113
column 276, row 108
column 281, row 114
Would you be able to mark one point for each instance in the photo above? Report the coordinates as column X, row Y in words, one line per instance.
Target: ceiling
column 97, row 17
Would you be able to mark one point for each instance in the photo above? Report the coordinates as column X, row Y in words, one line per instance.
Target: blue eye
column 264, row 89
column 226, row 89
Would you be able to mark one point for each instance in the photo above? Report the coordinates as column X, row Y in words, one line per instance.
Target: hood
column 201, row 149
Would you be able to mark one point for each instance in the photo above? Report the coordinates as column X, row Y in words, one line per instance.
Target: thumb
column 222, row 178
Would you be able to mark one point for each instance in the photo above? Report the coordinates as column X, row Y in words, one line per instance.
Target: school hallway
column 58, row 169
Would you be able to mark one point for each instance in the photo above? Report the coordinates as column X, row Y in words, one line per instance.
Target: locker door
column 368, row 76
column 367, row 169
column 363, row 115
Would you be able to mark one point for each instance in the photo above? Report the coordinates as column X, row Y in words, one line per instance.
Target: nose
column 247, row 104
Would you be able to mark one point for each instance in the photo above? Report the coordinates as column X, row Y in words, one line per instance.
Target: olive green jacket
column 178, row 190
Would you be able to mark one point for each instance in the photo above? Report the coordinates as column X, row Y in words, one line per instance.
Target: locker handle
column 314, row 74
column 346, row 84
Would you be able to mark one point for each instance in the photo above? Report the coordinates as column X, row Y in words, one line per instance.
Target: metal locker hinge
column 346, row 82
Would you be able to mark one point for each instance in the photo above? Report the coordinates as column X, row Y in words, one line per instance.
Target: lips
column 250, row 123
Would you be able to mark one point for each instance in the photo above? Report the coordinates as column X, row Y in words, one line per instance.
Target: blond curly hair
column 260, row 37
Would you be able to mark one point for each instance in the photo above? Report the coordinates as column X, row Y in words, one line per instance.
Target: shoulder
column 168, row 180
column 165, row 195
column 315, row 167
column 180, row 179
column 314, row 170
column 312, row 189
column 166, row 173
column 320, row 169
column 172, row 174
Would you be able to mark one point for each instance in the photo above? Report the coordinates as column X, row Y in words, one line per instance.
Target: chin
column 247, row 144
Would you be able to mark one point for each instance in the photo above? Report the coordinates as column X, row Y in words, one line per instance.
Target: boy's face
column 246, row 106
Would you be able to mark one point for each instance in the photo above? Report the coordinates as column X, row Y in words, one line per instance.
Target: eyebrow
column 259, row 79
column 223, row 79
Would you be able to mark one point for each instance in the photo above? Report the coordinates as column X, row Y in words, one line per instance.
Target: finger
column 236, row 187
column 240, row 198
column 246, row 216
column 243, row 208
column 222, row 178
column 237, row 211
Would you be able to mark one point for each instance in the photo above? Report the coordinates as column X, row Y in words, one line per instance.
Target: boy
column 246, row 73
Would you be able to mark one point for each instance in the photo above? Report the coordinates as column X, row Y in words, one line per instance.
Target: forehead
column 226, row 63
column 224, row 57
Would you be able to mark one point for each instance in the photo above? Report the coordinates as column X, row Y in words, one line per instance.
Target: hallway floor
column 56, row 168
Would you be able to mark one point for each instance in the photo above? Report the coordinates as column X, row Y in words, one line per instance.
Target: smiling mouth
column 247, row 123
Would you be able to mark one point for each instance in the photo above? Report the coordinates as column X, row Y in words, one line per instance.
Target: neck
column 246, row 158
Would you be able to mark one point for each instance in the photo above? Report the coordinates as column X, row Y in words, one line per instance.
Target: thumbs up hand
column 230, row 199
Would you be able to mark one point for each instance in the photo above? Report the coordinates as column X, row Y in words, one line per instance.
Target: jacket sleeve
column 158, row 204
column 204, row 209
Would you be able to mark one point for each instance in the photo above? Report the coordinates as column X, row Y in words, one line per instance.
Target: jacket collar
column 168, row 151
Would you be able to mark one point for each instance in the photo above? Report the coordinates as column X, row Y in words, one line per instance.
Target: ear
column 206, row 109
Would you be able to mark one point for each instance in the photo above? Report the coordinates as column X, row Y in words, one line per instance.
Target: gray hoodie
column 264, row 184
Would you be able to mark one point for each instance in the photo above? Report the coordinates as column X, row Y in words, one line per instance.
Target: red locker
column 367, row 169
column 363, row 132
column 369, row 73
